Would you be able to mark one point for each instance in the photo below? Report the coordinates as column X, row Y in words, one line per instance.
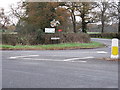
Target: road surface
column 81, row 68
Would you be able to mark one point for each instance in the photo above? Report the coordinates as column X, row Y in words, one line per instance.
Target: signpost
column 53, row 24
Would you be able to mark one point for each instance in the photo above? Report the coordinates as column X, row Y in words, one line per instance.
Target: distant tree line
column 34, row 17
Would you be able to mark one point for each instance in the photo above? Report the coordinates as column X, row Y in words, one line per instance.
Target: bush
column 35, row 39
column 67, row 38
column 9, row 39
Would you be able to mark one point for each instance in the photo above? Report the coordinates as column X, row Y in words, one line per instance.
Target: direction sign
column 49, row 30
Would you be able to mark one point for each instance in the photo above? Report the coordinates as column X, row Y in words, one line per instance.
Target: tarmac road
column 79, row 68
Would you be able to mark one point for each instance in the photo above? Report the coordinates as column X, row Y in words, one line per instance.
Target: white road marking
column 12, row 57
column 101, row 52
column 72, row 59
column 22, row 56
column 27, row 57
column 52, row 60
column 65, row 60
column 79, row 61
column 37, row 59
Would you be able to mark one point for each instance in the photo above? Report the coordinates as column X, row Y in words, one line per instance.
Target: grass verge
column 63, row 46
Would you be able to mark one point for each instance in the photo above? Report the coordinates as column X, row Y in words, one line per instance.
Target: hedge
column 12, row 39
column 106, row 35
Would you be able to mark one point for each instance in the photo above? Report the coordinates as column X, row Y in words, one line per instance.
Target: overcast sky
column 6, row 4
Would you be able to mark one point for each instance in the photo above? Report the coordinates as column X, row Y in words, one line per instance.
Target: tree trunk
column 102, row 31
column 119, row 17
column 83, row 24
column 74, row 24
column 103, row 22
column 73, row 21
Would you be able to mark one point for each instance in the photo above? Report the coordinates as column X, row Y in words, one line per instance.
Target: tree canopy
column 38, row 15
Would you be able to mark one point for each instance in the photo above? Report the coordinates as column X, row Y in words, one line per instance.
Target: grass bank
column 63, row 46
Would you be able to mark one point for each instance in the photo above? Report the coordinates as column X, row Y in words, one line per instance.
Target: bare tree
column 103, row 13
column 4, row 19
column 114, row 13
column 71, row 7
column 86, row 14
column 18, row 10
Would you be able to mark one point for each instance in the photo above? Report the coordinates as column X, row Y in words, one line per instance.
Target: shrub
column 9, row 39
column 35, row 39
column 67, row 38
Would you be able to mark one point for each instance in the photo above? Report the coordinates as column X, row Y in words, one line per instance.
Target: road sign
column 60, row 30
column 54, row 23
column 49, row 30
column 55, row 38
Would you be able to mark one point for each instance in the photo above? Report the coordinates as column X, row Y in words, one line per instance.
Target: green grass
column 53, row 46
